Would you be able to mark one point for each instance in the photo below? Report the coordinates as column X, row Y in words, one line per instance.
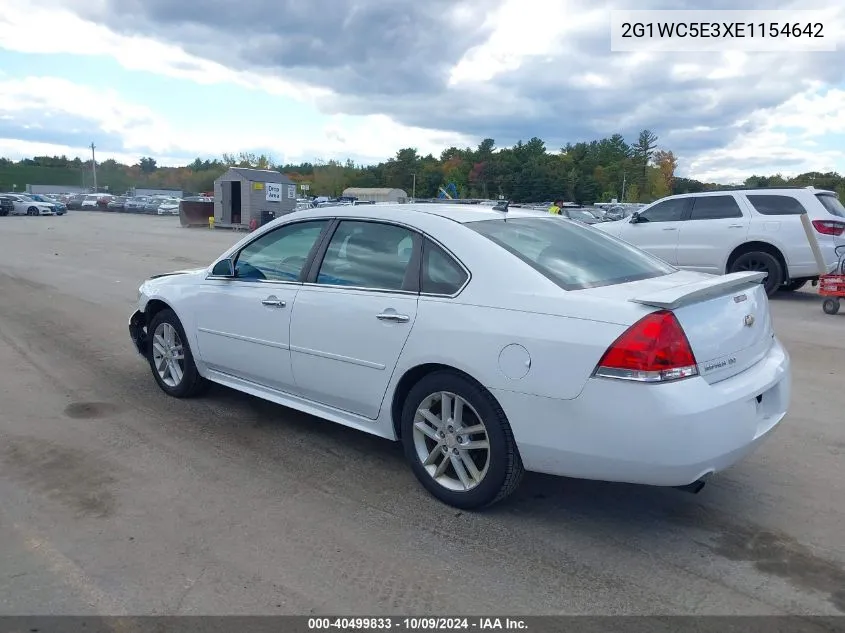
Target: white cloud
column 61, row 31
column 515, row 36
column 784, row 139
column 34, row 101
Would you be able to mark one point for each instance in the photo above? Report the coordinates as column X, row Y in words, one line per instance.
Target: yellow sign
column 258, row 186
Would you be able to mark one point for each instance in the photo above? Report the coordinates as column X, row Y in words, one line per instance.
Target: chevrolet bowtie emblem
column 749, row 320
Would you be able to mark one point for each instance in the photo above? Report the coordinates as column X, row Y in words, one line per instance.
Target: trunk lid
column 726, row 318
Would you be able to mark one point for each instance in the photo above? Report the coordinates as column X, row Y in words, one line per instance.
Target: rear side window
column 715, row 208
column 572, row 255
column 441, row 274
column 768, row 204
column 832, row 204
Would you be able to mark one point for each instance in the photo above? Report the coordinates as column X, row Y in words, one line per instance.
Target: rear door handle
column 273, row 302
column 392, row 316
column 670, row 228
column 734, row 226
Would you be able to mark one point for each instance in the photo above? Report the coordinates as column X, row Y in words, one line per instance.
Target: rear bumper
column 663, row 435
column 138, row 332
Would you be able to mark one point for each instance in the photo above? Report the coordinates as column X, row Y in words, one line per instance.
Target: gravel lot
column 119, row 500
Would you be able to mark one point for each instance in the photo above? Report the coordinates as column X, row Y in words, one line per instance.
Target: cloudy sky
column 320, row 79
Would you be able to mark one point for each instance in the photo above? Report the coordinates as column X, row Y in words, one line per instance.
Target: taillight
column 654, row 349
column 829, row 227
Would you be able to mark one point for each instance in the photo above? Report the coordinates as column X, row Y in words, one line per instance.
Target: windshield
column 583, row 215
column 571, row 255
column 832, row 204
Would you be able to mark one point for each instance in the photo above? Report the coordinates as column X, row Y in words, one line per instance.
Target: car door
column 243, row 323
column 716, row 225
column 351, row 321
column 656, row 228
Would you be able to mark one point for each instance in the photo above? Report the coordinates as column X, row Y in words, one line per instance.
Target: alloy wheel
column 168, row 355
column 451, row 441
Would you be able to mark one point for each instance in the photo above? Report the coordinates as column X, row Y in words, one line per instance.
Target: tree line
column 584, row 172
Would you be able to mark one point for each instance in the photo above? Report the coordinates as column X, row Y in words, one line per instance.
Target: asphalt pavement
column 115, row 499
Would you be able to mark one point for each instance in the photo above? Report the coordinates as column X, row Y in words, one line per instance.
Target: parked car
column 152, row 205
column 116, row 203
column 135, row 204
column 90, row 201
column 595, row 360
column 7, row 206
column 751, row 229
column 74, row 202
column 24, row 205
column 59, row 208
column 169, row 206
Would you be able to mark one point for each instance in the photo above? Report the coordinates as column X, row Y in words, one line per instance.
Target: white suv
column 748, row 229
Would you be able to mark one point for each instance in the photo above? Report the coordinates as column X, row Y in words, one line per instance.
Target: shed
column 376, row 194
column 242, row 194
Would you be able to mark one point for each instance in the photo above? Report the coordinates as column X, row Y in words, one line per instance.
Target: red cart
column 832, row 286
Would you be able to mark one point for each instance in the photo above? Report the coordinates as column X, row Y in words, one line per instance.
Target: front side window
column 280, row 254
column 715, row 208
column 571, row 255
column 771, row 204
column 367, row 255
column 666, row 211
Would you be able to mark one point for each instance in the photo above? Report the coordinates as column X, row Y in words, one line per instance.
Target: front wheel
column 32, row 211
column 459, row 442
column 831, row 306
column 170, row 357
column 760, row 261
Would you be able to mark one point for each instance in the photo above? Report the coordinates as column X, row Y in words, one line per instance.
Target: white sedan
column 24, row 205
column 488, row 342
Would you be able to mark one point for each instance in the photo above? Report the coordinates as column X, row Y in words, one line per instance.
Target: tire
column 191, row 383
column 760, row 261
column 32, row 211
column 831, row 306
column 792, row 286
column 498, row 469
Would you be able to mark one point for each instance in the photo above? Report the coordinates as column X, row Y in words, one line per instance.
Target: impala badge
column 749, row 320
column 740, row 298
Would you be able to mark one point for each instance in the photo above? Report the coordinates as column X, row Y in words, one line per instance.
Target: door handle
column 392, row 316
column 272, row 301
column 670, row 228
column 734, row 226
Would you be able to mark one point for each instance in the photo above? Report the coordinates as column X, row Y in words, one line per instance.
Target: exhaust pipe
column 695, row 487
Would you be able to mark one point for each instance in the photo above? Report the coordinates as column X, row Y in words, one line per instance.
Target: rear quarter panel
column 557, row 356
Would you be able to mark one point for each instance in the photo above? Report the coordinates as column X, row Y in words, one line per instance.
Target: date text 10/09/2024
column 717, row 30
column 416, row 624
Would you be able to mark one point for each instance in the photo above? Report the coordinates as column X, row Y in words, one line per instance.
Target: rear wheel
column 459, row 442
column 170, row 357
column 32, row 211
column 760, row 261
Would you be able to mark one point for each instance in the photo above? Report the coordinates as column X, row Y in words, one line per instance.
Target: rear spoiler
column 672, row 298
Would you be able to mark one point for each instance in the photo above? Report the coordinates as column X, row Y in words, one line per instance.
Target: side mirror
column 635, row 217
column 224, row 268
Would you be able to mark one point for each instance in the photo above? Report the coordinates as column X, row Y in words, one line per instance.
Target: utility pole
column 94, row 166
column 623, row 186
column 414, row 191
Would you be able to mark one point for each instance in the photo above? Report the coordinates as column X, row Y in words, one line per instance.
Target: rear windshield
column 573, row 256
column 832, row 204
